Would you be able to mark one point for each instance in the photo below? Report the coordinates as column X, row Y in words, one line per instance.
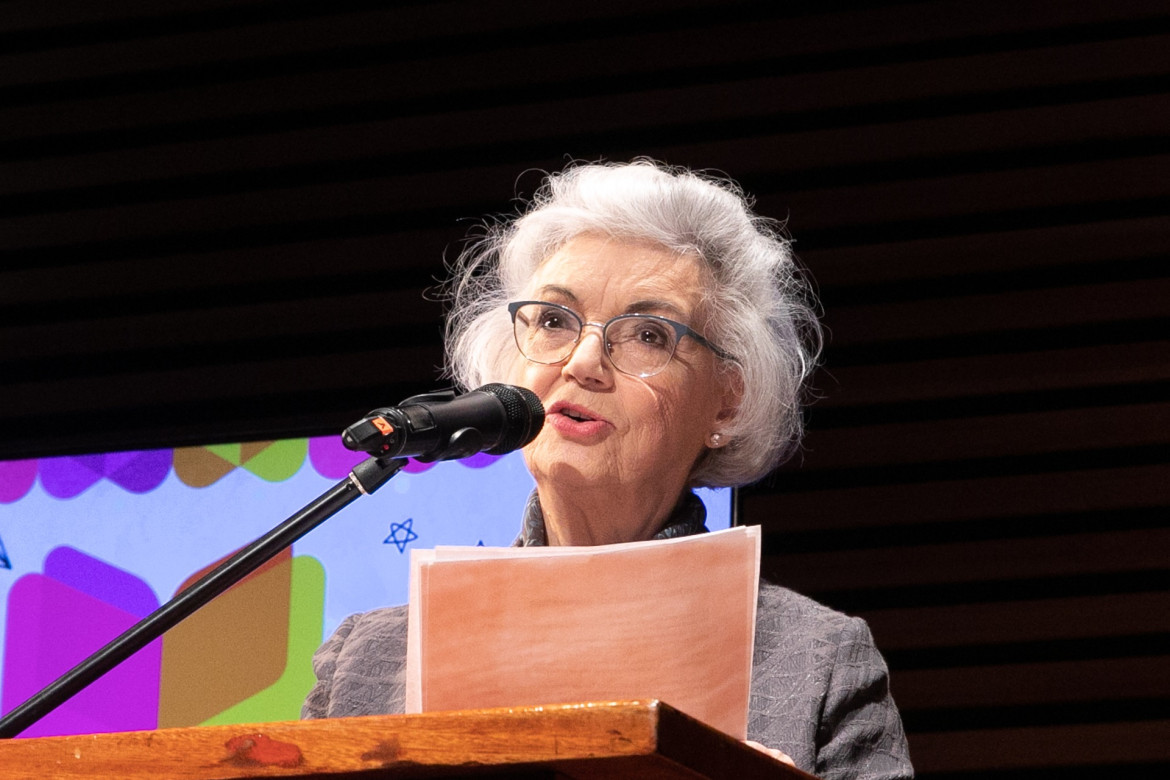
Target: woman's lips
column 575, row 421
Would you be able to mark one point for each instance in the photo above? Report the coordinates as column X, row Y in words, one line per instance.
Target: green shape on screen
column 280, row 460
column 282, row 700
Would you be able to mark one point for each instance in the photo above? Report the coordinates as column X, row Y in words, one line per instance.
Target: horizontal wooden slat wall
column 218, row 221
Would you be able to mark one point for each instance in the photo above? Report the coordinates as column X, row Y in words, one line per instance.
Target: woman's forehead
column 638, row 276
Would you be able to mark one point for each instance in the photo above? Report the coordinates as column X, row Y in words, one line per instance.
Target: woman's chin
column 572, row 466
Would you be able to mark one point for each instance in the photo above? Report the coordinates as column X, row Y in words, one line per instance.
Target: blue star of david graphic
column 401, row 534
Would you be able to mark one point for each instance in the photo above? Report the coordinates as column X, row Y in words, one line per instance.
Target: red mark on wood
column 257, row 749
column 385, row 752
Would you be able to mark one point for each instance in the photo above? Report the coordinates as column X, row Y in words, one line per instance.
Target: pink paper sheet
column 671, row 620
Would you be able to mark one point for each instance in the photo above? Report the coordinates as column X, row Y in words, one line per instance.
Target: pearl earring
column 716, row 439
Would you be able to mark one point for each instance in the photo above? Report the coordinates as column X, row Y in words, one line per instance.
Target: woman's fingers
column 772, row 752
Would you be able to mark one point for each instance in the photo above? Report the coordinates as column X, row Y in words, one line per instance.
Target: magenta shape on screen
column 137, row 472
column 52, row 626
column 16, row 479
column 331, row 459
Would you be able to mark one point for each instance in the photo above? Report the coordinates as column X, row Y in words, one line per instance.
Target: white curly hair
column 762, row 309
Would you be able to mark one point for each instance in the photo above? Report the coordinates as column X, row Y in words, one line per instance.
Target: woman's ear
column 731, row 396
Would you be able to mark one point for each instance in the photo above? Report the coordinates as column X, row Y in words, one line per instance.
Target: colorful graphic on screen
column 91, row 544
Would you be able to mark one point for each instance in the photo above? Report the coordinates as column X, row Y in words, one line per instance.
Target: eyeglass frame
column 679, row 329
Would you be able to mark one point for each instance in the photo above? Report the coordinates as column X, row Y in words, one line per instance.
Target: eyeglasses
column 640, row 345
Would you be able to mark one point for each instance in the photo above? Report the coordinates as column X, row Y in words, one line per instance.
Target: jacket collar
column 688, row 517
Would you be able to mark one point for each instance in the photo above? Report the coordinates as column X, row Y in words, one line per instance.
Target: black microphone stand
column 365, row 478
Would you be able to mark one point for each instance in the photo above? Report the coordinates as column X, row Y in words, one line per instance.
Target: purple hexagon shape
column 137, row 471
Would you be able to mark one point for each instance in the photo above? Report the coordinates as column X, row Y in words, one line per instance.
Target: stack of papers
column 670, row 619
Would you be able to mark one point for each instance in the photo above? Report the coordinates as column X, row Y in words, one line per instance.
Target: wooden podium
column 642, row 739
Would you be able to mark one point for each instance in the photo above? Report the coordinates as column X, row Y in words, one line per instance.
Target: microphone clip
column 439, row 425
column 382, row 430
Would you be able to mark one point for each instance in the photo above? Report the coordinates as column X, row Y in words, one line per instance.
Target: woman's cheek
column 519, row 375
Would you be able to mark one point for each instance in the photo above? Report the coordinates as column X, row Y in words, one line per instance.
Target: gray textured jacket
column 820, row 690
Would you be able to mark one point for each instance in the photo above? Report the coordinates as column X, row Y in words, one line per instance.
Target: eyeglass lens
column 637, row 344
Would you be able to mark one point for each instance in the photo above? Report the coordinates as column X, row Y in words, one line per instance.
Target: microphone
column 440, row 426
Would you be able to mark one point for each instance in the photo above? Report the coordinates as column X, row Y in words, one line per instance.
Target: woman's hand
column 772, row 752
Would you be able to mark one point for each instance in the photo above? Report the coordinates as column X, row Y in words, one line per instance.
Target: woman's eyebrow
column 656, row 306
column 644, row 306
column 556, row 290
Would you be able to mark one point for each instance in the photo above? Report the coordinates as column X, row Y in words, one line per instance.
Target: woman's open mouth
column 575, row 421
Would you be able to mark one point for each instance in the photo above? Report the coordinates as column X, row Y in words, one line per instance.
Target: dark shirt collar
column 688, row 517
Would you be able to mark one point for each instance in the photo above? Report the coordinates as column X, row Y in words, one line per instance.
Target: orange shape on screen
column 230, row 649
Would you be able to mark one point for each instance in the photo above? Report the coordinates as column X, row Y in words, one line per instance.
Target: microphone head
column 524, row 414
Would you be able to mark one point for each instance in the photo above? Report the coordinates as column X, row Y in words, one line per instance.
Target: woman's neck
column 604, row 516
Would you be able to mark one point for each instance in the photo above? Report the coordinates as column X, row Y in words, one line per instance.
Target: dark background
column 217, row 220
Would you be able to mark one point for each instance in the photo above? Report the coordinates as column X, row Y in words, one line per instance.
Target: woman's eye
column 652, row 337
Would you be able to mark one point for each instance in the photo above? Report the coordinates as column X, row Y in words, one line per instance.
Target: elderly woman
column 664, row 328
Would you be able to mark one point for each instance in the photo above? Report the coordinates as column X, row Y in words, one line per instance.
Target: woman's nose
column 587, row 363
